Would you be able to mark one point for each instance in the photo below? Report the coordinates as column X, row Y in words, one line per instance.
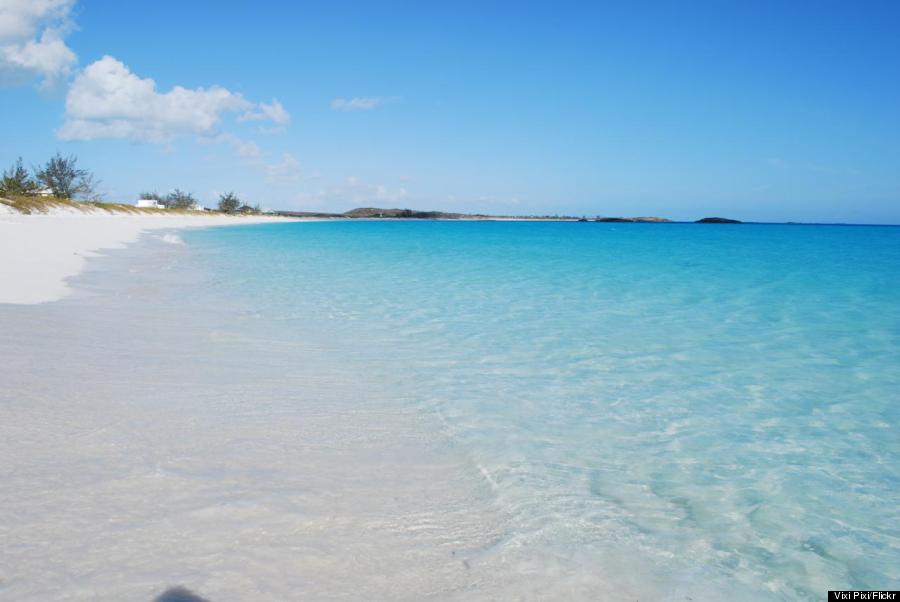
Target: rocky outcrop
column 368, row 212
column 620, row 220
column 717, row 220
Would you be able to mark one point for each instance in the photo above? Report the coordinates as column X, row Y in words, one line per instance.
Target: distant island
column 717, row 220
column 625, row 220
column 382, row 213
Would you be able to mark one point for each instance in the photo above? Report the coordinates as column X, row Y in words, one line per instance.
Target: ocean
column 472, row 410
column 699, row 406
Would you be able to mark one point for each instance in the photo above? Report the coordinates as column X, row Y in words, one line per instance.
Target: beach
column 449, row 301
column 150, row 442
column 445, row 410
column 41, row 251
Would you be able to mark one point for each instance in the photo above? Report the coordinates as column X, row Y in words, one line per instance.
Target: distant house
column 150, row 204
column 197, row 207
column 44, row 192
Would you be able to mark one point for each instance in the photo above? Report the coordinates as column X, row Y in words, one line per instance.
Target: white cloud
column 357, row 191
column 481, row 201
column 273, row 112
column 107, row 100
column 311, row 192
column 31, row 41
column 244, row 149
column 286, row 170
column 363, row 103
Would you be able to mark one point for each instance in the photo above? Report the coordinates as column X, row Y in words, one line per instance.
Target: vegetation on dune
column 229, row 203
column 60, row 178
column 179, row 199
column 29, row 204
column 61, row 184
column 65, row 180
column 32, row 205
column 16, row 181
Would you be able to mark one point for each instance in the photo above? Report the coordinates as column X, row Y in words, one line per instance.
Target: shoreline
column 196, row 466
column 242, row 437
column 42, row 251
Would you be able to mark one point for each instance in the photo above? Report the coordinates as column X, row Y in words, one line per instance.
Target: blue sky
column 760, row 111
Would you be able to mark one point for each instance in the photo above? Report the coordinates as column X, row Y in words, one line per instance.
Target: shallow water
column 157, row 433
column 716, row 404
column 557, row 410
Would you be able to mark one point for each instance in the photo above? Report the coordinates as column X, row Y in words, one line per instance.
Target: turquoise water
column 702, row 408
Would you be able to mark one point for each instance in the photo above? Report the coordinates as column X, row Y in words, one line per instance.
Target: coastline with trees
column 61, row 183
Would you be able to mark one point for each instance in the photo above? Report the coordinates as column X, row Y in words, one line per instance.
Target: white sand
column 151, row 438
column 39, row 252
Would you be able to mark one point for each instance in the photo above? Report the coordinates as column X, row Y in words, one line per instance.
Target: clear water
column 675, row 408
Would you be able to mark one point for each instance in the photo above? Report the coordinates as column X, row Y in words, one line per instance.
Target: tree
column 229, row 203
column 16, row 181
column 178, row 199
column 88, row 188
column 150, row 196
column 63, row 176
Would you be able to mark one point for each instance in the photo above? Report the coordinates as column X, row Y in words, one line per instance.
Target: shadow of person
column 179, row 594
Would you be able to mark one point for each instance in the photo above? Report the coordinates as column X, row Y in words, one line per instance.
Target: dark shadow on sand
column 179, row 594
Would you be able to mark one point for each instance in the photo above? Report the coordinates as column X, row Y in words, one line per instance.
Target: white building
column 150, row 204
column 197, row 207
column 44, row 192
